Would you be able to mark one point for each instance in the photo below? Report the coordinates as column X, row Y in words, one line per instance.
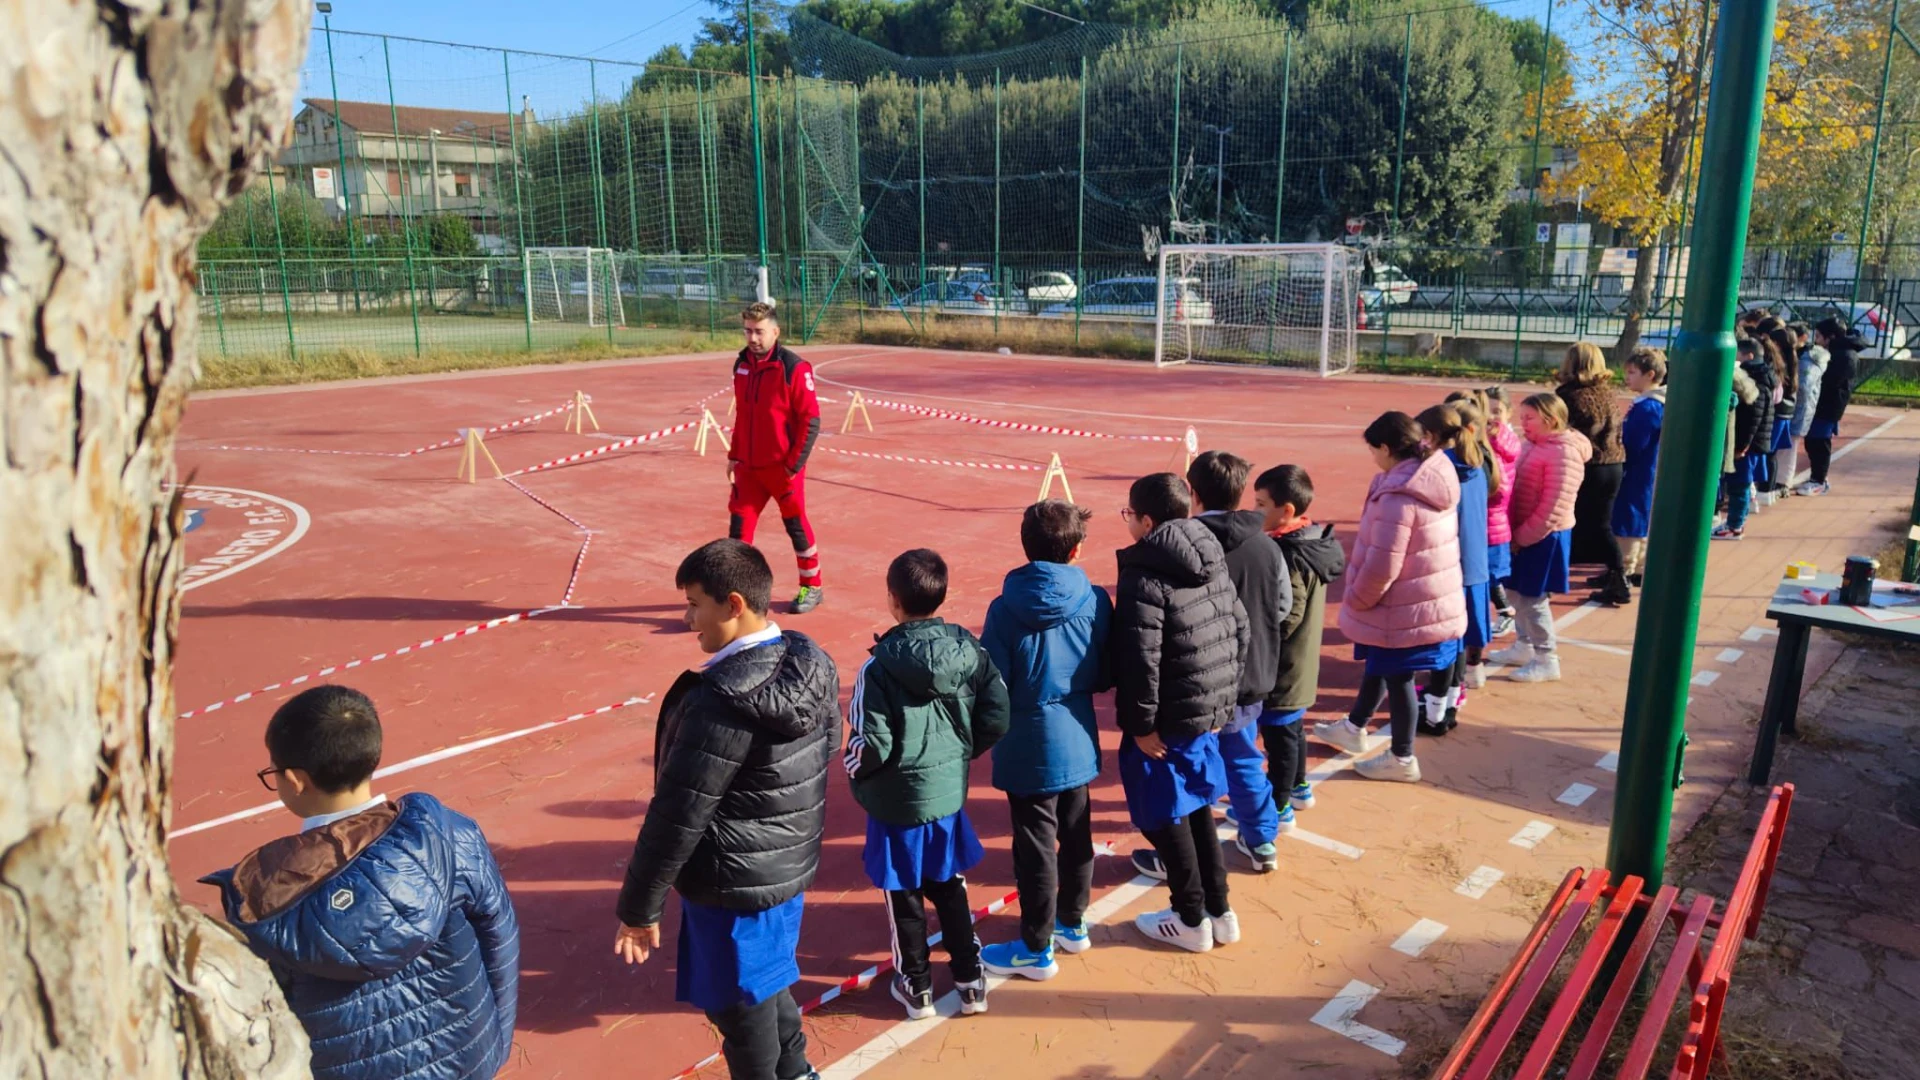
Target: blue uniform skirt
column 1782, row 434
column 735, row 958
column 1823, row 429
column 1160, row 793
column 1499, row 561
column 1479, row 621
column 915, row 856
column 1541, row 569
column 1411, row 659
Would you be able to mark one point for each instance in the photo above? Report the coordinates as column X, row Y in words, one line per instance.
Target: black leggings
column 1196, row 868
column 1286, row 746
column 908, row 910
column 1397, row 691
column 1819, row 457
column 764, row 1041
column 1440, row 683
column 1498, row 594
column 1593, row 516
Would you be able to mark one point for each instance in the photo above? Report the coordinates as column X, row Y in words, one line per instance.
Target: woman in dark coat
column 1836, row 390
column 1592, row 411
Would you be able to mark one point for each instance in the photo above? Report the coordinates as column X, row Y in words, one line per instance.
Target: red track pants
column 751, row 490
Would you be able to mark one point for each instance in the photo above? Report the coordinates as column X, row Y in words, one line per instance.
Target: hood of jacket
column 928, row 658
column 1657, row 393
column 1423, row 480
column 1045, row 594
column 1571, row 443
column 1314, row 550
column 772, row 685
column 1184, row 552
column 1234, row 527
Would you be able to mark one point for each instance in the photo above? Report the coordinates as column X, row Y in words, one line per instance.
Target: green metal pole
column 920, row 142
column 1173, row 163
column 860, row 217
column 1399, row 160
column 706, row 206
column 759, row 153
column 1280, row 168
column 996, row 197
column 1654, row 731
column 780, row 183
column 1873, row 159
column 594, row 146
column 1533, row 183
column 280, row 253
column 406, row 219
column 1080, row 215
column 633, row 195
column 219, row 318
column 340, row 142
column 519, row 213
column 560, row 192
column 673, row 223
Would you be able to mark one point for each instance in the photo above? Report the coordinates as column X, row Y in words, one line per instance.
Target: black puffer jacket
column 1179, row 635
column 1259, row 575
column 1753, row 422
column 740, row 782
column 1836, row 383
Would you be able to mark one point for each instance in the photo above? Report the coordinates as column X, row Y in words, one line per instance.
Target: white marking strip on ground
column 1341, row 763
column 1531, row 834
column 1576, row 615
column 1875, row 433
column 1476, row 884
column 1609, row 761
column 1596, row 646
column 1418, row 937
column 1338, row 1015
column 1326, row 842
column 1729, row 656
column 1576, row 794
column 1755, row 633
column 417, row 762
column 1705, row 678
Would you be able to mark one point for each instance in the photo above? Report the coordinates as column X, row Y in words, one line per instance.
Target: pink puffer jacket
column 1403, row 583
column 1506, row 450
column 1545, row 482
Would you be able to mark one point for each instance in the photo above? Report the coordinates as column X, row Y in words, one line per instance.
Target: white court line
column 1475, row 885
column 1729, row 656
column 1596, row 646
column 1326, row 842
column 1705, row 678
column 415, row 763
column 1875, row 433
column 1576, row 794
column 1418, row 937
column 1576, row 615
column 1337, row 1016
column 1609, row 761
column 1531, row 834
column 1755, row 633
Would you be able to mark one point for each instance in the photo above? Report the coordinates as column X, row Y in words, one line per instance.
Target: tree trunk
column 1639, row 297
column 125, row 127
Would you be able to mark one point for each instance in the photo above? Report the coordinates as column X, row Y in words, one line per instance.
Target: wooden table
column 1797, row 619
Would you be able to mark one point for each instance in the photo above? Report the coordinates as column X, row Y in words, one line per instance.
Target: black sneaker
column 973, row 996
column 1638, row 581
column 919, row 1003
column 1147, row 861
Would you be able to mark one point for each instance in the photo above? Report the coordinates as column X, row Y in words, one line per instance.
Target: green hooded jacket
column 924, row 706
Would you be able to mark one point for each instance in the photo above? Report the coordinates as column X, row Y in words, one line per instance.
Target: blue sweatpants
column 1249, row 790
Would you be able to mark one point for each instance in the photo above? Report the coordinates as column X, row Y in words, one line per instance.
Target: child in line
column 1545, row 484
column 1047, row 634
column 377, row 908
column 1646, row 374
column 927, row 702
column 1811, row 369
column 1780, row 454
column 1314, row 559
column 1179, row 642
column 1450, row 431
column 1404, row 607
column 1506, row 448
column 1752, row 435
column 1259, row 575
column 738, row 811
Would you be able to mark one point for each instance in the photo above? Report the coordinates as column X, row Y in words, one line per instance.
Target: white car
column 1051, row 287
column 1133, row 298
column 1393, row 283
column 681, row 282
column 954, row 297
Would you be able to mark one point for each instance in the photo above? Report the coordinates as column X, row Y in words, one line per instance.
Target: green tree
column 451, row 236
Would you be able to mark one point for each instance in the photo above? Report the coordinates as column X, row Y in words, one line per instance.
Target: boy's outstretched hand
column 635, row 943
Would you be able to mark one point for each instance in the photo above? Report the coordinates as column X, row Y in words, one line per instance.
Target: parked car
column 1133, row 298
column 1394, row 285
column 957, row 298
column 1883, row 336
column 1051, row 287
column 677, row 282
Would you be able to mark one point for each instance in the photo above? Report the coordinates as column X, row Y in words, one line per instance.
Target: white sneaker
column 1512, row 656
column 1165, row 927
column 1226, row 928
column 1474, row 677
column 1343, row 736
column 1388, row 766
column 1544, row 667
column 1811, row 488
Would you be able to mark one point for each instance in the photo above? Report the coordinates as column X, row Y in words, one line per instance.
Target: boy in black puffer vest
column 924, row 707
column 1178, row 645
column 738, row 810
column 1314, row 559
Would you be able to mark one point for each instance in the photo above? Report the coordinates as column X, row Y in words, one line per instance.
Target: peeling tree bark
column 124, row 126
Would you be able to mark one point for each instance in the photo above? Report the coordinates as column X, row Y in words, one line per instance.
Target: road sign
column 1355, row 225
column 322, row 183
column 1542, row 232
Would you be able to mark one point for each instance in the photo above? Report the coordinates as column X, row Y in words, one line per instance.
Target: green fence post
column 594, row 145
column 920, row 142
column 1873, row 159
column 1005, row 292
column 633, row 196
column 1654, row 730
column 1173, row 162
column 340, row 142
column 702, row 133
column 759, row 155
column 280, row 254
column 219, row 320
column 780, row 183
column 519, row 213
column 1280, row 166
column 406, row 181
column 1533, row 185
column 1080, row 214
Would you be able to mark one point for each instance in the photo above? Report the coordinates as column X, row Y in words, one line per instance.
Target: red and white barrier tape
column 727, row 389
column 586, row 540
column 568, row 518
column 1012, row 425
column 991, row 465
column 508, row 426
column 298, row 450
column 607, row 449
column 532, row 613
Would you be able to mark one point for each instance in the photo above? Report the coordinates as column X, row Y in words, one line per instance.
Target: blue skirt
column 915, row 856
column 735, row 958
column 1479, row 620
column 1748, row 470
column 1411, row 659
column 1541, row 569
column 1160, row 793
column 1782, row 434
column 1499, row 560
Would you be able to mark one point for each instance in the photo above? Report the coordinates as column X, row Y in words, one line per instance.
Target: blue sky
column 613, row 29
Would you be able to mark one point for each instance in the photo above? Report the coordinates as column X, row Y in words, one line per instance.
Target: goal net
column 574, row 284
column 1296, row 305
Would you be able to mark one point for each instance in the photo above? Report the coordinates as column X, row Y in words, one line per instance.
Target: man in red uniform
column 777, row 420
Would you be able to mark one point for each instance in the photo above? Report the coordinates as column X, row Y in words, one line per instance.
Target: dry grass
column 222, row 373
column 1440, row 860
column 1054, row 337
column 1530, row 895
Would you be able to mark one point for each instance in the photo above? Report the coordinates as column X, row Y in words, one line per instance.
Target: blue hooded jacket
column 393, row 937
column 1473, row 521
column 1047, row 633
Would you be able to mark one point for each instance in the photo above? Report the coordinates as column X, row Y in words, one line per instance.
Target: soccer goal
column 573, row 284
column 1292, row 304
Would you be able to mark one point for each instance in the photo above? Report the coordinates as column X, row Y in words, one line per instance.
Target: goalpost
column 1297, row 305
column 573, row 284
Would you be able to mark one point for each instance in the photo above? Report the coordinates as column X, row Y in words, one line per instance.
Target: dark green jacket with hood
column 924, row 706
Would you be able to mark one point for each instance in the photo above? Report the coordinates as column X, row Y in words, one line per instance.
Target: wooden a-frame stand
column 1055, row 471
column 857, row 405
column 470, row 456
column 709, row 424
column 580, row 414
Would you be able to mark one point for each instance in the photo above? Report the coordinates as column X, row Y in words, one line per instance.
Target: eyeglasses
column 1129, row 514
column 266, row 776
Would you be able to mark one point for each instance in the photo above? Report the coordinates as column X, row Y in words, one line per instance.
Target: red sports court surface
column 323, row 548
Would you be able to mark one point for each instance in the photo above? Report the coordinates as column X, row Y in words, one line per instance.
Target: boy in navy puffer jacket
column 377, row 909
column 1047, row 633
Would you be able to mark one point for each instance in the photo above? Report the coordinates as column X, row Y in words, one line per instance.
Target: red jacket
column 777, row 416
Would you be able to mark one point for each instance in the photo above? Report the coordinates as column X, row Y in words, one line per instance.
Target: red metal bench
column 1490, row 1037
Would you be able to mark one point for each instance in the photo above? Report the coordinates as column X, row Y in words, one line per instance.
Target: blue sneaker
column 1302, row 797
column 1286, row 817
column 1014, row 958
column 1072, row 939
column 1233, row 819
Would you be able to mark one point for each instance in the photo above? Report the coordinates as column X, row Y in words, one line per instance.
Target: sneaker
column 808, row 598
column 1285, row 824
column 1512, row 656
column 1638, row 581
column 1072, row 939
column 1433, row 715
column 1165, row 927
column 919, row 1003
column 1594, row 581
column 1811, row 488
column 1725, row 532
column 1301, row 798
column 1542, row 668
column 1502, row 623
column 1474, row 676
column 973, row 996
column 1343, row 736
column 1014, row 958
column 1389, row 766
column 1264, row 857
column 1613, row 592
column 1226, row 928
column 1147, row 861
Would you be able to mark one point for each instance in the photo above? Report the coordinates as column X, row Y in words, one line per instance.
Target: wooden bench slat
column 1553, row 1030
column 1538, row 971
column 1456, row 1057
column 1593, row 1047
column 1653, row 1022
